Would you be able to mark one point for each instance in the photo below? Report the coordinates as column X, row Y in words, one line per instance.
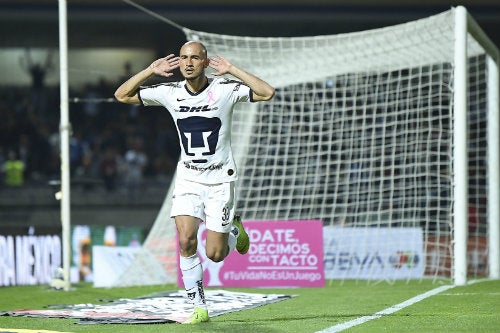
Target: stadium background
column 113, row 130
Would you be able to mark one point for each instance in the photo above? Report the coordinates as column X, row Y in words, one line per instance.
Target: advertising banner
column 281, row 254
column 85, row 237
column 109, row 262
column 373, row 253
column 29, row 257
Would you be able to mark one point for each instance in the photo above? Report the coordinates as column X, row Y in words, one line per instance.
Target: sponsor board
column 281, row 254
column 109, row 262
column 373, row 253
column 165, row 307
column 30, row 256
column 84, row 237
column 28, row 259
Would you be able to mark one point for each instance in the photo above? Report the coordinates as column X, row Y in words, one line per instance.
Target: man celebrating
column 201, row 108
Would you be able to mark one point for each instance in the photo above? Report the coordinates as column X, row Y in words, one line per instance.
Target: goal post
column 465, row 24
column 493, row 169
column 387, row 128
column 460, row 159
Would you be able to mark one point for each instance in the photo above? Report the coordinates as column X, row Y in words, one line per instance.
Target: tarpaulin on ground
column 164, row 307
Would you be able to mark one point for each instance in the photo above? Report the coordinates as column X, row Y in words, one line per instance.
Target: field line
column 389, row 310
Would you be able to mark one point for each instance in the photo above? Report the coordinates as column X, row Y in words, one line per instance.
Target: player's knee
column 187, row 244
column 216, row 255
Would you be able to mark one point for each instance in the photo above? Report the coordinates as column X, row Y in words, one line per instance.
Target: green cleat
column 199, row 316
column 243, row 242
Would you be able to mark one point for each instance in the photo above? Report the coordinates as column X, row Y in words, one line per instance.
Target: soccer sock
column 192, row 275
column 232, row 240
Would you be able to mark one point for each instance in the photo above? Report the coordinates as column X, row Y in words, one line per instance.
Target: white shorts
column 214, row 204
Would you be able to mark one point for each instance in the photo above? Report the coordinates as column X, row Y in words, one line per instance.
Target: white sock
column 192, row 275
column 231, row 241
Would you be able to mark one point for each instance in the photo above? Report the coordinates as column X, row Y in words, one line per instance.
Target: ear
column 207, row 62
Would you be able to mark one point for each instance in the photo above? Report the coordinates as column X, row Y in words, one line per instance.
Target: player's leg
column 191, row 268
column 187, row 229
column 222, row 235
column 217, row 245
column 187, row 209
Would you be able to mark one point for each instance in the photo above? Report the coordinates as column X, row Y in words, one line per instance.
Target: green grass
column 472, row 308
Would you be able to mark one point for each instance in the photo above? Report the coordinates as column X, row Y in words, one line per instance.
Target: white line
column 390, row 310
column 291, row 268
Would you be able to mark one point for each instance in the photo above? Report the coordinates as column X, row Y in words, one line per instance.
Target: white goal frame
column 465, row 25
column 464, row 28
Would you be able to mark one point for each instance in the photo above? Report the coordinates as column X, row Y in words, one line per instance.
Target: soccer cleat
column 243, row 242
column 199, row 316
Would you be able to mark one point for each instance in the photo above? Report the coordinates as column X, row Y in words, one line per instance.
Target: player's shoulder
column 228, row 83
column 172, row 85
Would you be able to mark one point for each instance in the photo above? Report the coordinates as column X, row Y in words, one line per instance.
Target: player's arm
column 127, row 92
column 262, row 91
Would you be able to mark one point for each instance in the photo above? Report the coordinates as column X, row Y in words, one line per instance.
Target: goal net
column 360, row 135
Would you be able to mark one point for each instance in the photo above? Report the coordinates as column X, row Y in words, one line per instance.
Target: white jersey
column 203, row 123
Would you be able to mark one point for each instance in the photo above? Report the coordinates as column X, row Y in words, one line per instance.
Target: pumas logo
column 203, row 108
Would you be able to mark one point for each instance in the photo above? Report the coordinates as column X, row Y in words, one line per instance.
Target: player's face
column 193, row 61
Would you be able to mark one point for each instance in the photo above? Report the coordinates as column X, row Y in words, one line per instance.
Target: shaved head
column 196, row 45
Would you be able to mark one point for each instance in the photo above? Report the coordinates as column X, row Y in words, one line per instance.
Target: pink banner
column 281, row 254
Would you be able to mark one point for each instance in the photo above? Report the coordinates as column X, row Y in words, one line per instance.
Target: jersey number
column 199, row 136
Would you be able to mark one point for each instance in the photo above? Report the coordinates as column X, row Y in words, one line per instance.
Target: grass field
column 472, row 308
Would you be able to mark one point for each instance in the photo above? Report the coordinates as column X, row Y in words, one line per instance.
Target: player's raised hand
column 220, row 64
column 165, row 66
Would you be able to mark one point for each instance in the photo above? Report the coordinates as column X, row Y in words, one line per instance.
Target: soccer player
column 201, row 108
